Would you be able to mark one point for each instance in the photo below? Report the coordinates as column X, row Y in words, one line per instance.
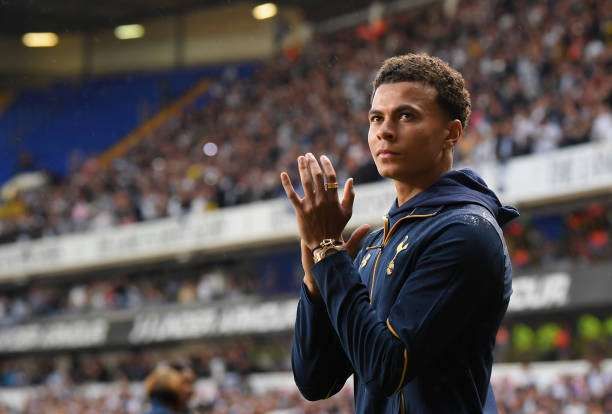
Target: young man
column 414, row 315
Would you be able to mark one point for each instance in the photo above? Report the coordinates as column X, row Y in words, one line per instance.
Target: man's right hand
column 352, row 247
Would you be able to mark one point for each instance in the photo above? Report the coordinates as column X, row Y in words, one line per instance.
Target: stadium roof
column 20, row 16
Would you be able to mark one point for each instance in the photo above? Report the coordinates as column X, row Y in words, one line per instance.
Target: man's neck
column 409, row 188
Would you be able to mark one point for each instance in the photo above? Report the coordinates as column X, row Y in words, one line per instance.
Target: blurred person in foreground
column 413, row 315
column 170, row 388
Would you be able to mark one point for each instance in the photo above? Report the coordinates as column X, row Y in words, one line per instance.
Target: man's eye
column 406, row 116
column 375, row 118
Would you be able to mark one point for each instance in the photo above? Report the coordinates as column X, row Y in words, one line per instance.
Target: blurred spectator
column 169, row 388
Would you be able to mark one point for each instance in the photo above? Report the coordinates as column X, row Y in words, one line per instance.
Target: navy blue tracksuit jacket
column 414, row 315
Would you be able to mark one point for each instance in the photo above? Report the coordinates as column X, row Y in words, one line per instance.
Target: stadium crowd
column 223, row 401
column 538, row 72
column 579, row 234
column 231, row 358
column 570, row 394
column 121, row 292
column 588, row 335
column 567, row 394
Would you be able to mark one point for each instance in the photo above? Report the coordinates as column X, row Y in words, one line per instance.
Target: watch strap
column 321, row 253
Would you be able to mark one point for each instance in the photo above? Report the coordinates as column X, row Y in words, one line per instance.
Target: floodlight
column 265, row 11
column 40, row 39
column 129, row 31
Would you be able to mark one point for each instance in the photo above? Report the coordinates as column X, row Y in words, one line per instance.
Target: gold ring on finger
column 331, row 186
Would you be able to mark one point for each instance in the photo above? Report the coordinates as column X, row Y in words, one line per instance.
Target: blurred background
column 142, row 219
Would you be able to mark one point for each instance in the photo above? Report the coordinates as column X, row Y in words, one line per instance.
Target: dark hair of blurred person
column 169, row 388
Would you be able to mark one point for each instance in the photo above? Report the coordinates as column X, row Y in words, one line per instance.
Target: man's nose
column 386, row 130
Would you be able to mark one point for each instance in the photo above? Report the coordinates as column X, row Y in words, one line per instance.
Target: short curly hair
column 453, row 96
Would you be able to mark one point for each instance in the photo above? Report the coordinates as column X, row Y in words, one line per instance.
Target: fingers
column 305, row 177
column 330, row 177
column 352, row 245
column 314, row 177
column 328, row 169
column 291, row 194
column 348, row 196
column 317, row 175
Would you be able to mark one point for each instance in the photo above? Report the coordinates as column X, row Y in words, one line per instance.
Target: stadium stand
column 580, row 337
column 80, row 337
column 578, row 234
column 520, row 389
column 555, row 88
column 87, row 116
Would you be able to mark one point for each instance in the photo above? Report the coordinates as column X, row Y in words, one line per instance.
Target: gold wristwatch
column 326, row 247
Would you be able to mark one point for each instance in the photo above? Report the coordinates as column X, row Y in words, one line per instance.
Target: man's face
column 407, row 130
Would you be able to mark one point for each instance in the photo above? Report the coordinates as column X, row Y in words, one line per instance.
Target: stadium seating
column 121, row 259
column 552, row 97
column 87, row 116
column 578, row 235
column 549, row 388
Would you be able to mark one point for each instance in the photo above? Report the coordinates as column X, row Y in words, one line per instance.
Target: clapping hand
column 320, row 213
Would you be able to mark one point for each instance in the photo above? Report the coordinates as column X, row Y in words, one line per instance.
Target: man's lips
column 386, row 154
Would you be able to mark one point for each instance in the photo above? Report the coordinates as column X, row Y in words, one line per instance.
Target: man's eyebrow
column 404, row 107
column 398, row 108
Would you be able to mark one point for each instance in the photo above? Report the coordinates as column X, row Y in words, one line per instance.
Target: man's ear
column 455, row 130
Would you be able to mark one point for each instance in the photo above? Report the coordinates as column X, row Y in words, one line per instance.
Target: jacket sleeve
column 320, row 367
column 435, row 302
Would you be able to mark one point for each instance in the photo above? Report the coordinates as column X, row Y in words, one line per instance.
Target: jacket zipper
column 387, row 237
